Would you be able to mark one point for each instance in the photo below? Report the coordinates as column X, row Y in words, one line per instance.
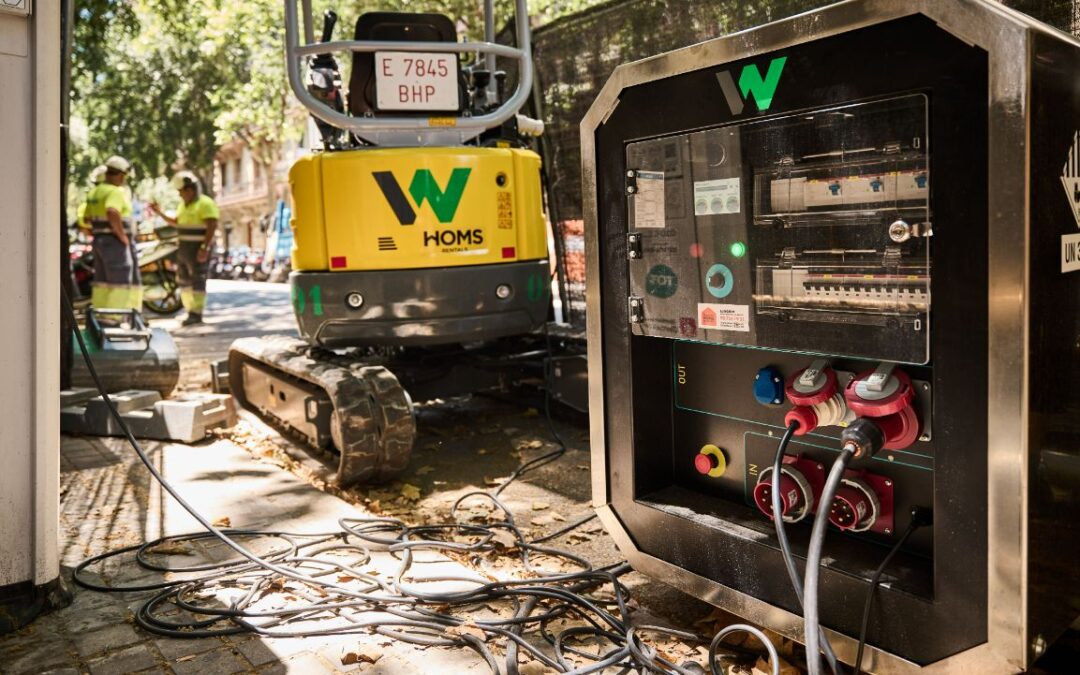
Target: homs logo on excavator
column 444, row 204
column 423, row 188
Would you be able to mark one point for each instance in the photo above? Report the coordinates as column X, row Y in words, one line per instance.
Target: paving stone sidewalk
column 109, row 501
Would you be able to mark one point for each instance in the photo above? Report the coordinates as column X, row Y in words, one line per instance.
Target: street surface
column 255, row 478
column 234, row 309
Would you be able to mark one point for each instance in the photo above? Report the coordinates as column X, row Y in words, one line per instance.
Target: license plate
column 416, row 81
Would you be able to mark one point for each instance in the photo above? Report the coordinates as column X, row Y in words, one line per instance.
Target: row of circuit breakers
column 839, row 245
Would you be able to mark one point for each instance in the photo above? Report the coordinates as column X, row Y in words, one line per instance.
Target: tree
column 166, row 82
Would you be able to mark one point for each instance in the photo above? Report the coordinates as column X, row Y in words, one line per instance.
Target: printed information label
column 649, row 200
column 712, row 316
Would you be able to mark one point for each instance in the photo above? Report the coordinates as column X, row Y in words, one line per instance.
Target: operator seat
column 396, row 27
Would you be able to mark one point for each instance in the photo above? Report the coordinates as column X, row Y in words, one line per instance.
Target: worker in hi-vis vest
column 196, row 220
column 97, row 176
column 117, row 282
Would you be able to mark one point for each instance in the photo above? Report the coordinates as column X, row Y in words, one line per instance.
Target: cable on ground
column 317, row 584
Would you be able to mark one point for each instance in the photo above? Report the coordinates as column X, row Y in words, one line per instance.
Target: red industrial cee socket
column 888, row 402
column 864, row 503
column 801, row 481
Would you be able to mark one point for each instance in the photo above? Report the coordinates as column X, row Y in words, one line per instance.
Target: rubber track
column 372, row 425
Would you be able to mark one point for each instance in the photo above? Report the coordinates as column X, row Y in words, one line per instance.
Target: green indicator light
column 738, row 249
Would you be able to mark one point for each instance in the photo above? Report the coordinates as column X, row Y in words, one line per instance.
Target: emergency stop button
column 710, row 461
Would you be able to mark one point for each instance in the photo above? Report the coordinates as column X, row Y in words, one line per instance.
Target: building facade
column 247, row 191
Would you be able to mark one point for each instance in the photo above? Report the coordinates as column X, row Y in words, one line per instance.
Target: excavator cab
column 418, row 227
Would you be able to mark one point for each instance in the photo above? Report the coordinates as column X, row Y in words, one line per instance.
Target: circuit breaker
column 869, row 211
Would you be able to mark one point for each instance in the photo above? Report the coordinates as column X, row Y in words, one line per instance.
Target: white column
column 29, row 293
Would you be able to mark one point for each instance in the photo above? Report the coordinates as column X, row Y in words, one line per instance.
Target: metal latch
column 637, row 309
column 633, row 245
column 876, row 380
column 788, row 256
column 892, row 256
column 809, row 377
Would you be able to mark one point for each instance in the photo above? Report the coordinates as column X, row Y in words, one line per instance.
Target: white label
column 649, row 200
column 416, row 81
column 1070, row 253
column 788, row 194
column 712, row 316
column 715, row 197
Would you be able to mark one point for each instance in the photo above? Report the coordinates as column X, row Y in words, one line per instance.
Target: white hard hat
column 118, row 163
column 185, row 179
column 98, row 174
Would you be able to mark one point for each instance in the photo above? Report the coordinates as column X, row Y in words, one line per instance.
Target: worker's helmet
column 97, row 175
column 186, row 179
column 118, row 163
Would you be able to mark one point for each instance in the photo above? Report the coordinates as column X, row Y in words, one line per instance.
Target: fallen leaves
column 223, row 521
column 410, row 492
column 548, row 519
column 362, row 654
column 170, row 548
column 504, row 538
column 467, row 629
column 540, row 506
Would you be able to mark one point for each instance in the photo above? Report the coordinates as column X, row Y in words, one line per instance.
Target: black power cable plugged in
column 920, row 517
column 785, row 546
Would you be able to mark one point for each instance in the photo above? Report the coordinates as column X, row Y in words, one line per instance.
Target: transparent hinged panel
column 808, row 232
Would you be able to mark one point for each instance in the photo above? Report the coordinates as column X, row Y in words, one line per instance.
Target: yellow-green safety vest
column 191, row 218
column 100, row 199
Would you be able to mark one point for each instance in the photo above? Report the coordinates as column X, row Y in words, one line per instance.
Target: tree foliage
column 166, row 82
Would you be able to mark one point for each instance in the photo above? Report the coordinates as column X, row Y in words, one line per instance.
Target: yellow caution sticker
column 442, row 121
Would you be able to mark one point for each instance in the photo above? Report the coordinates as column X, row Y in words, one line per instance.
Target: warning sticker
column 1070, row 180
column 712, row 316
column 505, row 218
column 649, row 200
column 716, row 197
column 1070, row 177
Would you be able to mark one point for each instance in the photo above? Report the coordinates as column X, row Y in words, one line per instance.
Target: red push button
column 710, row 461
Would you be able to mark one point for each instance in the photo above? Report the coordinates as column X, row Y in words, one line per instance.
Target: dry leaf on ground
column 362, row 654
column 169, row 548
column 504, row 538
column 223, row 521
column 410, row 492
column 540, row 506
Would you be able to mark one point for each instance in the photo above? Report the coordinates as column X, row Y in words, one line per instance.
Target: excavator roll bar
column 460, row 128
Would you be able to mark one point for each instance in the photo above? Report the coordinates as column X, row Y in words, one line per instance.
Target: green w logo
column 444, row 202
column 751, row 83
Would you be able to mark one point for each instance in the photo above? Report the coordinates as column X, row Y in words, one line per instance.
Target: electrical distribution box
column 871, row 210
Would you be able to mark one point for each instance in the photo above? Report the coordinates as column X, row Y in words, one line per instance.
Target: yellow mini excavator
column 419, row 237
